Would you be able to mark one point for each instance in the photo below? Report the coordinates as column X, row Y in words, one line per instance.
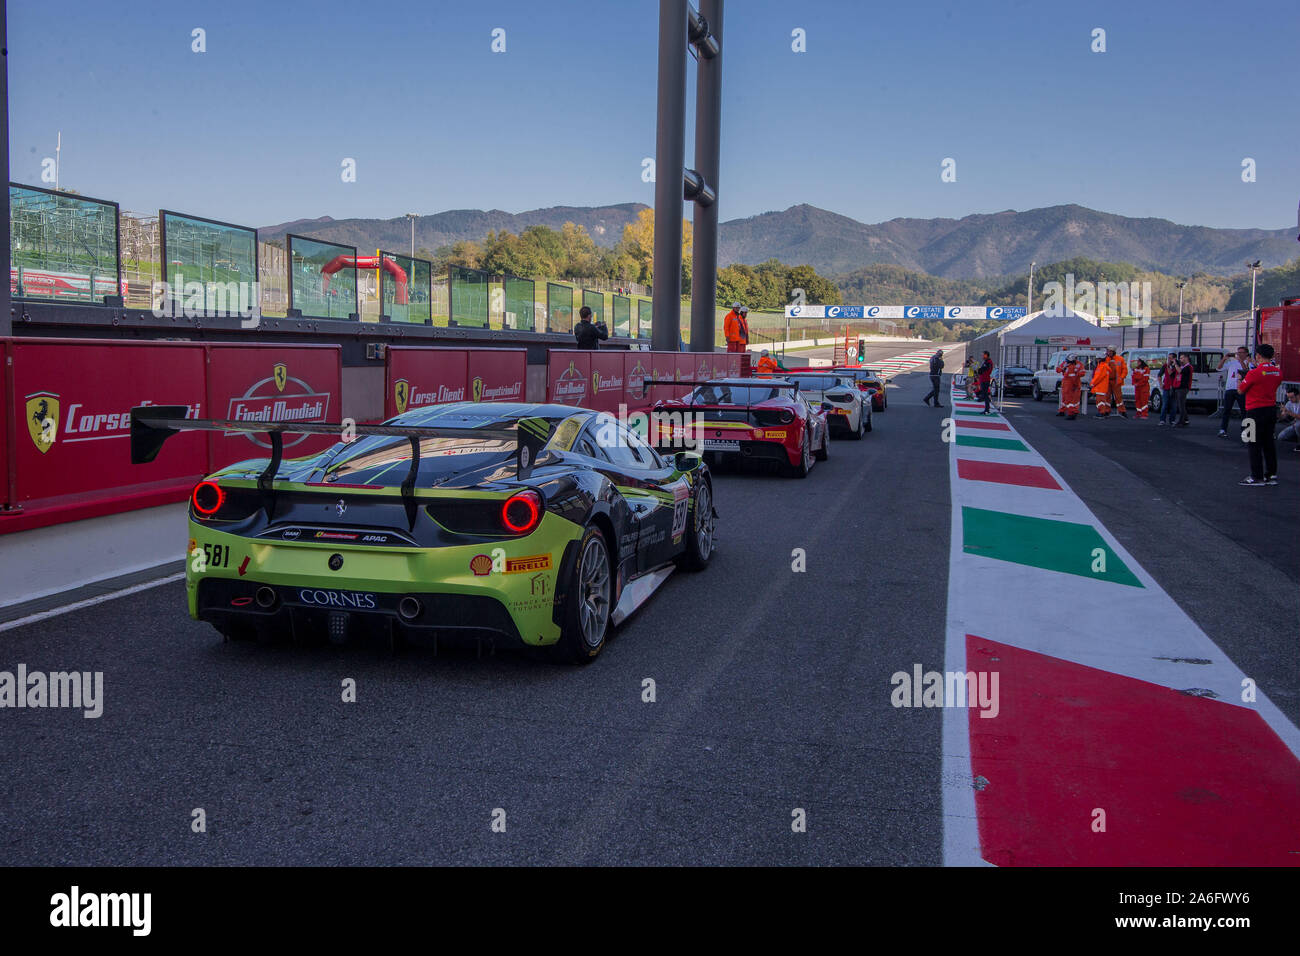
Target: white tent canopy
column 1064, row 327
column 1061, row 327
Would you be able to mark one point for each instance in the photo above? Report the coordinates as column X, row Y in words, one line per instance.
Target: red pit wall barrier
column 260, row 382
column 602, row 380
column 636, row 369
column 568, row 376
column 416, row 376
column 498, row 375
column 663, row 366
column 608, row 382
column 7, row 423
column 89, row 388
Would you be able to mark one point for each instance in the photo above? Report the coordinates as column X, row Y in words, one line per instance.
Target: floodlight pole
column 411, row 216
column 1029, row 299
column 708, row 132
column 1250, row 333
column 670, row 159
column 6, row 320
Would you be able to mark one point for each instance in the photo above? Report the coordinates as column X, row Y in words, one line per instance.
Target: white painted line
column 961, row 839
column 88, row 602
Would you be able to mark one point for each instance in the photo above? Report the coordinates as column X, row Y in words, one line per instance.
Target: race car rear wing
column 152, row 425
column 645, row 386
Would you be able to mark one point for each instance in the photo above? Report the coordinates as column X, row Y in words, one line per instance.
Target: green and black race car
column 530, row 525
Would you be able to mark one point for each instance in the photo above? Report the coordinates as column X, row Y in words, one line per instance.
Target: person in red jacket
column 985, row 375
column 1141, row 388
column 1259, row 388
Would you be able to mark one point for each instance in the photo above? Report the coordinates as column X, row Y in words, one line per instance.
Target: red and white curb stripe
column 1112, row 699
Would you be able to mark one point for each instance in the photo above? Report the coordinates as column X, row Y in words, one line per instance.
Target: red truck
column 1280, row 328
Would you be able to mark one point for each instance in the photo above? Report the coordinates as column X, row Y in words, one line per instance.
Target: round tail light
column 787, row 416
column 208, row 497
column 522, row 513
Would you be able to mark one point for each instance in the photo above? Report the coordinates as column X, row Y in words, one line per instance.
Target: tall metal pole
column 1250, row 333
column 670, row 160
column 6, row 320
column 708, row 132
column 1029, row 301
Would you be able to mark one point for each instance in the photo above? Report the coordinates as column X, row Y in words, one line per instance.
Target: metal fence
column 62, row 246
column 622, row 313
column 596, row 302
column 559, row 307
column 322, row 278
column 468, row 297
column 644, row 316
column 520, row 306
column 1226, row 334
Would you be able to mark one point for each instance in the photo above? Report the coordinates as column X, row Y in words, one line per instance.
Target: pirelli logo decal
column 532, row 564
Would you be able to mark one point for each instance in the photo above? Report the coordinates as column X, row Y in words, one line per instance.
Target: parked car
column 1207, row 380
column 1047, row 380
column 1015, row 379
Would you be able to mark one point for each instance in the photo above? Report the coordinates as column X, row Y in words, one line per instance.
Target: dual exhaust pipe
column 408, row 608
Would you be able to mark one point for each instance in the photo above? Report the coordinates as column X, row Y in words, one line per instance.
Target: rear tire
column 805, row 460
column 867, row 426
column 826, row 445
column 699, row 531
column 861, row 430
column 1037, row 392
column 588, row 604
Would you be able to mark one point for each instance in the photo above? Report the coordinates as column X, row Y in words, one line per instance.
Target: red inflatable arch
column 367, row 262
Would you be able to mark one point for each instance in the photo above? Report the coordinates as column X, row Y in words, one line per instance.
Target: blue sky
column 254, row 130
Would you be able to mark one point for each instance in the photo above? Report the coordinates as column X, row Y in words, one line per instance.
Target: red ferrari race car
column 867, row 381
column 744, row 418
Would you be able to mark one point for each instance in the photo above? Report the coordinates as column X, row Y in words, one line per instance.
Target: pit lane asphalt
column 772, row 694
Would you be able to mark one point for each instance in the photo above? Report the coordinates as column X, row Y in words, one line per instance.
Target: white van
column 1205, row 374
column 1047, row 380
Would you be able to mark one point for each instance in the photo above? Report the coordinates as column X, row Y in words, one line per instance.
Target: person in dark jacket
column 1184, row 386
column 936, row 376
column 985, row 374
column 587, row 334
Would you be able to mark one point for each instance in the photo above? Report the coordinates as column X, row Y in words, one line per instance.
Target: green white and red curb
column 1121, row 736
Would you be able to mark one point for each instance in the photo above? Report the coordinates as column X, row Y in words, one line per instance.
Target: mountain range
column 974, row 247
column 603, row 223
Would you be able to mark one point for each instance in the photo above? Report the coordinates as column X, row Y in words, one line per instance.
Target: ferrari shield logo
column 595, row 381
column 281, row 375
column 401, row 391
column 476, row 388
column 42, row 419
